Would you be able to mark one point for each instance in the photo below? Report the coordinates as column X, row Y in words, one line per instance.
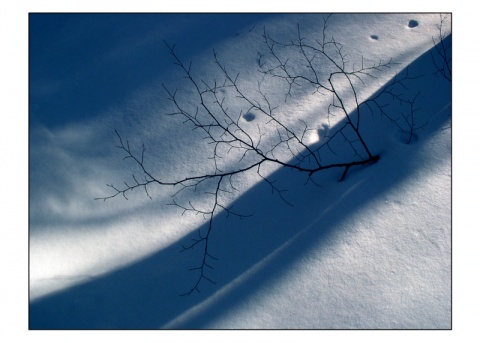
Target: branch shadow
column 145, row 295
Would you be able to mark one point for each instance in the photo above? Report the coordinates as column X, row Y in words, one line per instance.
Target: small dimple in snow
column 405, row 137
column 249, row 116
column 374, row 37
column 412, row 23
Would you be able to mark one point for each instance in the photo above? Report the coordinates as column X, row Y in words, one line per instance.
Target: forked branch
column 238, row 146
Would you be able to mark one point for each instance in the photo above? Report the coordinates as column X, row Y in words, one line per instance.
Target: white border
column 14, row 156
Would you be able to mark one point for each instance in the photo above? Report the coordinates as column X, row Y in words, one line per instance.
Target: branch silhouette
column 321, row 65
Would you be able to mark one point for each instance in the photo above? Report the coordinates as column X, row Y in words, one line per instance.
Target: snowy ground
column 371, row 252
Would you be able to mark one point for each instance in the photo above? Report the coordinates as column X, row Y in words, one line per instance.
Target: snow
column 371, row 252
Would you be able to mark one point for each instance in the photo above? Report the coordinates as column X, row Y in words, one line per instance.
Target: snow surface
column 371, row 252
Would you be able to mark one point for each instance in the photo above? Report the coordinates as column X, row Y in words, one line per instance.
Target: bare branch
column 442, row 59
column 239, row 146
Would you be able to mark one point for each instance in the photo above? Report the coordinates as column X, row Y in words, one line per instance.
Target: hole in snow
column 249, row 116
column 316, row 135
column 412, row 23
column 405, row 137
column 374, row 37
column 323, row 131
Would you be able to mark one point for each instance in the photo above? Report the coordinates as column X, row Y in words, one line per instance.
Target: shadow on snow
column 145, row 295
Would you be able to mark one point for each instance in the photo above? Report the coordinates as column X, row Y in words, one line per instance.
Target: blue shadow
column 145, row 295
column 80, row 64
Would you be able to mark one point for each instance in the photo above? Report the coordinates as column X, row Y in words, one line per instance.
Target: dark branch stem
column 323, row 66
